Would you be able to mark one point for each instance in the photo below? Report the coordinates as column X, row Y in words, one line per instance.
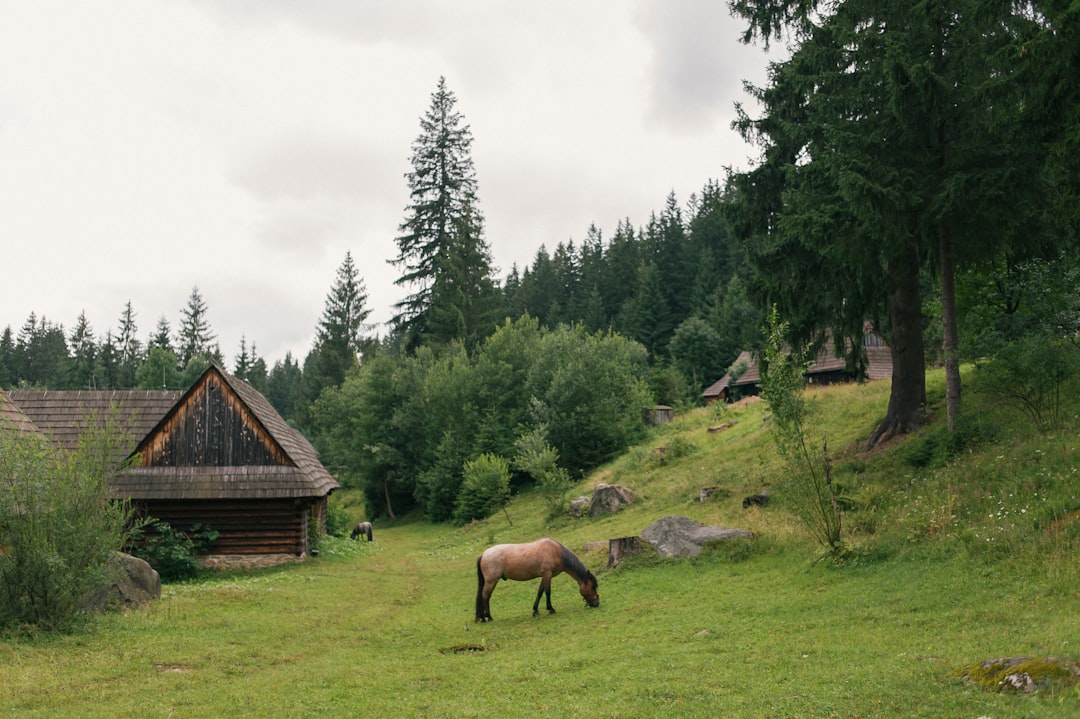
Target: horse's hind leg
column 483, row 595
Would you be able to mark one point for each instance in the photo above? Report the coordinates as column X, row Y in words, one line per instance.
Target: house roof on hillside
column 878, row 358
column 749, row 376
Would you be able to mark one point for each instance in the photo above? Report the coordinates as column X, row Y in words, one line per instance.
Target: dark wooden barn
column 217, row 455
column 744, row 379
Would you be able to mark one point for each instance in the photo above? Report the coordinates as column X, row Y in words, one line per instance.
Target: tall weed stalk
column 810, row 486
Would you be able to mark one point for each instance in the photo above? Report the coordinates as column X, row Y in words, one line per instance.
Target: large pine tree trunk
column 389, row 507
column 908, row 396
column 951, row 334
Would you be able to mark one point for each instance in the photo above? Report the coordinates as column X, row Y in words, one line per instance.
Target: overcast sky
column 243, row 147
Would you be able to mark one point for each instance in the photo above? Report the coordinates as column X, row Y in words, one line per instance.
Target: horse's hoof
column 536, row 614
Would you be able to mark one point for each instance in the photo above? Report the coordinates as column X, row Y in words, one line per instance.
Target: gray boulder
column 609, row 498
column 683, row 537
column 132, row 582
column 579, row 506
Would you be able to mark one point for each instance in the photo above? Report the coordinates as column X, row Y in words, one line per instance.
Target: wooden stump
column 622, row 546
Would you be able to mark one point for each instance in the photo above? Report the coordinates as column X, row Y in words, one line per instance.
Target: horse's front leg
column 545, row 590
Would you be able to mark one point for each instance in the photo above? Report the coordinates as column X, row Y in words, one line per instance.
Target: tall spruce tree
column 162, row 336
column 7, row 358
column 887, row 156
column 108, row 365
column 129, row 351
column 82, row 373
column 339, row 337
column 442, row 253
column 41, row 354
column 195, row 337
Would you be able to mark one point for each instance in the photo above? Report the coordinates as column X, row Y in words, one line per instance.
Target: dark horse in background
column 362, row 528
column 543, row 558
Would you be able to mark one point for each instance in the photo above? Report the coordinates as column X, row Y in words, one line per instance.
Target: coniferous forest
column 917, row 170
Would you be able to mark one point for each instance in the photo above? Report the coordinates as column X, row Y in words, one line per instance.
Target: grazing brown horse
column 362, row 528
column 543, row 558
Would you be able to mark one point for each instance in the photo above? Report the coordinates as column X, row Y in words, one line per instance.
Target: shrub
column 484, row 489
column 535, row 457
column 173, row 553
column 339, row 521
column 58, row 524
column 1031, row 375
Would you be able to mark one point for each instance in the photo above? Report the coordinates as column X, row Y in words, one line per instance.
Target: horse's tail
column 479, row 589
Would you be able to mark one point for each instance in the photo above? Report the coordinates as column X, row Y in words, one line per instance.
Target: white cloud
column 244, row 147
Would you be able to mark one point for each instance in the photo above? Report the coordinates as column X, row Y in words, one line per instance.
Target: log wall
column 268, row 526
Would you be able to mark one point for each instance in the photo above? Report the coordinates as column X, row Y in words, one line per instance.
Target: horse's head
column 588, row 590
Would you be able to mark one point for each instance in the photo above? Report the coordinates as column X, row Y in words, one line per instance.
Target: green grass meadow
column 958, row 553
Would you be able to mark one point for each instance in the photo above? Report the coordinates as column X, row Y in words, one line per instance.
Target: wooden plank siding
column 212, row 427
column 243, row 526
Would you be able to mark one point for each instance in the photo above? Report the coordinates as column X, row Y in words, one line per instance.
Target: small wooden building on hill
column 744, row 379
column 217, row 455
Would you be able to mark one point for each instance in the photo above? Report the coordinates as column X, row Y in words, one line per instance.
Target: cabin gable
column 211, row 426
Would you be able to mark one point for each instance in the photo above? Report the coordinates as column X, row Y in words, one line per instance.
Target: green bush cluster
column 484, row 490
column 339, row 521
column 58, row 525
column 402, row 427
column 172, row 552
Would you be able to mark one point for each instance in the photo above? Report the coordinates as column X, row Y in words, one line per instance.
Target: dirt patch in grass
column 173, row 668
column 467, row 649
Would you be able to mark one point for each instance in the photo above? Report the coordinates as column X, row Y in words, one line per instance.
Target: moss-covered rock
column 1021, row 674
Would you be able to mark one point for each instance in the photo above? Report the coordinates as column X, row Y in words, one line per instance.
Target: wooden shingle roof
column 63, row 415
column 750, row 376
column 13, row 418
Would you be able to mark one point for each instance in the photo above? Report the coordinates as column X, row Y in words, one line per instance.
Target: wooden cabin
column 217, row 455
column 744, row 378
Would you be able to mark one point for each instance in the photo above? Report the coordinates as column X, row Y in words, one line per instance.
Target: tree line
column 917, row 170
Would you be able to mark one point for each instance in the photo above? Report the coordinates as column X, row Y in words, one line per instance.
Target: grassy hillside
column 964, row 547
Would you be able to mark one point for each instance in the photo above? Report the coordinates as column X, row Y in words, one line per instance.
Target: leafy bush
column 485, row 488
column 1032, row 374
column 173, row 553
column 540, row 461
column 339, row 521
column 58, row 525
column 674, row 449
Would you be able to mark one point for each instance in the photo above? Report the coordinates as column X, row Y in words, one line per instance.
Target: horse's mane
column 576, row 568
